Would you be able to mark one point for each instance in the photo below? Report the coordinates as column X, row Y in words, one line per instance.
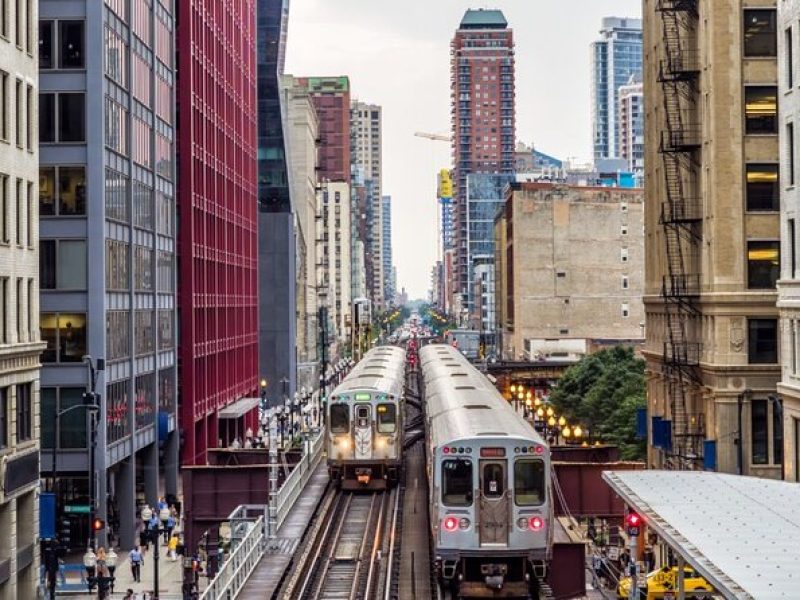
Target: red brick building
column 218, row 234
column 331, row 97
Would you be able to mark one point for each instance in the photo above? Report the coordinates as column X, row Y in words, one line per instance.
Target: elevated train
column 365, row 422
column 488, row 479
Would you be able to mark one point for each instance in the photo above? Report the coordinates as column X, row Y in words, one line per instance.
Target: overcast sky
column 397, row 54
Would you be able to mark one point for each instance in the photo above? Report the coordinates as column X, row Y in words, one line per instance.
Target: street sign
column 82, row 509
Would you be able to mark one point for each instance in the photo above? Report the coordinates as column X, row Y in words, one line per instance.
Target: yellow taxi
column 665, row 581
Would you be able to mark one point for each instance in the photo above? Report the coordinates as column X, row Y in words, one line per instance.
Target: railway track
column 350, row 551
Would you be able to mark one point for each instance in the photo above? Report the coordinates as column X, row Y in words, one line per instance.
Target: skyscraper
column 630, row 124
column 386, row 249
column 366, row 152
column 616, row 56
column 218, row 240
column 107, row 198
column 19, row 299
column 483, row 120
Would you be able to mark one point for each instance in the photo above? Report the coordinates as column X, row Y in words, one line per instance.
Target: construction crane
column 440, row 137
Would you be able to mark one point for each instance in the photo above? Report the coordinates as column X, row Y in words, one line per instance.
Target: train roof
column 382, row 369
column 462, row 403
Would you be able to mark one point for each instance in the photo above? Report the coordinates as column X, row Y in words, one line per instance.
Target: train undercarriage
column 489, row 576
column 365, row 476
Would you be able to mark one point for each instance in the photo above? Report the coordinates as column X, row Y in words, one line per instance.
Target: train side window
column 529, row 482
column 457, row 482
column 340, row 418
column 494, row 480
column 387, row 418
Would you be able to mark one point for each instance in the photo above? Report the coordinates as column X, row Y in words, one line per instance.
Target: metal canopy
column 739, row 532
column 238, row 408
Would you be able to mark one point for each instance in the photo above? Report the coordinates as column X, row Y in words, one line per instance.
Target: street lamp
column 154, row 534
column 561, row 421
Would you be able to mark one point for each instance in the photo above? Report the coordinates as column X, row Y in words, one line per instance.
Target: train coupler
column 363, row 476
column 494, row 576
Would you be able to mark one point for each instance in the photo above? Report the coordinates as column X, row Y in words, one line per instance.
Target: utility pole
column 633, row 522
column 92, row 401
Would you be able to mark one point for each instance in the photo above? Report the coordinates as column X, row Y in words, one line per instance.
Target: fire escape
column 681, row 222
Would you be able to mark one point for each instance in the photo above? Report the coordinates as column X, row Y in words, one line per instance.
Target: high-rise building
column 19, row 300
column 332, row 100
column 483, row 120
column 616, row 56
column 386, row 249
column 366, row 152
column 764, row 185
column 630, row 123
column 218, row 240
column 334, row 258
column 713, row 245
column 107, row 195
column 277, row 252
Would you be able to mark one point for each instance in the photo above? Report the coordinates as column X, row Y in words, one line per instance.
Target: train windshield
column 529, row 482
column 340, row 418
column 387, row 418
column 457, row 482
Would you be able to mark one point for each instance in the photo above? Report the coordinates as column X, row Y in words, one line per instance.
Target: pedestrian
column 649, row 559
column 128, row 594
column 172, row 547
column 136, row 564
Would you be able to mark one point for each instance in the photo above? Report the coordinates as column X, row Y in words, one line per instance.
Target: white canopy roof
column 740, row 533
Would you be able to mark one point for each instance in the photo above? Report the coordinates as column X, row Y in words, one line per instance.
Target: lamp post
column 154, row 534
column 94, row 573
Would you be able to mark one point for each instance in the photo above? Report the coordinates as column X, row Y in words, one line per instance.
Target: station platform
column 267, row 576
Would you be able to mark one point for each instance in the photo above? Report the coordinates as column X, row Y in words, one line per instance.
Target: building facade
column 483, row 119
column 630, row 122
column 713, row 237
column 334, row 260
column 789, row 283
column 366, row 148
column 386, row 250
column 107, row 191
column 570, row 268
column 615, row 57
column 218, row 239
column 20, row 344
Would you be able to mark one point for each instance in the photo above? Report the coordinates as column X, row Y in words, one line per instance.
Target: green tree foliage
column 603, row 392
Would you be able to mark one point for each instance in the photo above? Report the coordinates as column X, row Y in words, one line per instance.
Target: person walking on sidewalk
column 136, row 564
column 172, row 547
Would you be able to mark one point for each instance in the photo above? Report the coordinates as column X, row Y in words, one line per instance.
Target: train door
column 362, row 425
column 493, row 515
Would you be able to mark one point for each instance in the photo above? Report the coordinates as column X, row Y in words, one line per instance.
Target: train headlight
column 536, row 523
column 345, row 442
column 450, row 523
column 380, row 443
column 464, row 523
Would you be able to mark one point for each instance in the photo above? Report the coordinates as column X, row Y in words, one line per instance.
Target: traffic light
column 632, row 522
column 98, row 524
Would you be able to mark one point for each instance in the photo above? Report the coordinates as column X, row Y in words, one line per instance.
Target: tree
column 603, row 393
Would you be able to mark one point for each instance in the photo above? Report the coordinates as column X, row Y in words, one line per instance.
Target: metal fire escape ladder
column 681, row 222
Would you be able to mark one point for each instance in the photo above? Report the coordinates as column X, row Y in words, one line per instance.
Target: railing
column 298, row 478
column 235, row 571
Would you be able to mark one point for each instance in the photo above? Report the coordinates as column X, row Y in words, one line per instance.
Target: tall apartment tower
column 767, row 184
column 20, row 345
column 616, row 56
column 366, row 143
column 218, row 238
column 630, row 123
column 712, row 244
column 386, row 249
column 107, row 195
column 483, row 119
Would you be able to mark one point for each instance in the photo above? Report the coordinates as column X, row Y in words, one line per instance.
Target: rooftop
column 483, row 19
column 739, row 532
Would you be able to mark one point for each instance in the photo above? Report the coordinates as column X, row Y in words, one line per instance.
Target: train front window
column 529, row 482
column 457, row 482
column 362, row 416
column 494, row 480
column 387, row 418
column 340, row 418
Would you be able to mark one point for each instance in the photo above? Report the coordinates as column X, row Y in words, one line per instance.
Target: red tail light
column 450, row 524
column 536, row 524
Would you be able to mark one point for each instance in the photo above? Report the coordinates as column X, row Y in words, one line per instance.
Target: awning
column 238, row 408
column 739, row 532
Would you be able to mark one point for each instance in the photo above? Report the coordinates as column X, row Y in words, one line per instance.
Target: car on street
column 663, row 582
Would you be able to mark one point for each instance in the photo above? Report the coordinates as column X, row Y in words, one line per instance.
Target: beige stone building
column 568, row 269
column 20, row 344
column 712, row 235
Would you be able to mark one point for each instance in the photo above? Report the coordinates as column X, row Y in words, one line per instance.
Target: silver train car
column 365, row 422
column 488, row 480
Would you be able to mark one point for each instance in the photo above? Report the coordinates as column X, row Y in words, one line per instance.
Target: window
column 20, row 311
column 340, row 418
column 29, row 113
column 68, row 123
column 19, row 215
column 792, row 249
column 24, row 412
column 142, row 205
column 19, row 109
column 387, row 418
column 763, row 264
column 529, row 482
column 70, row 45
column 761, row 109
column 143, row 331
column 4, row 417
column 4, row 112
column 760, row 33
column 777, row 433
column 118, row 334
column 166, row 328
column 763, row 192
column 65, row 334
column 62, row 264
column 117, row 270
column 623, row 230
column 117, row 196
column 626, row 310
column 118, row 421
column 4, row 313
column 790, row 163
column 494, row 480
column 457, row 482
column 46, row 44
column 4, row 238
column 762, row 341
column 29, row 26
column 142, row 268
column 145, row 399
column 758, row 431
column 166, row 271
column 47, row 117
column 19, row 26
column 4, row 18
column 625, row 282
column 789, row 58
column 623, row 254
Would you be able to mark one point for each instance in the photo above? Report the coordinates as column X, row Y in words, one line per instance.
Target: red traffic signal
column 633, row 520
column 98, row 524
